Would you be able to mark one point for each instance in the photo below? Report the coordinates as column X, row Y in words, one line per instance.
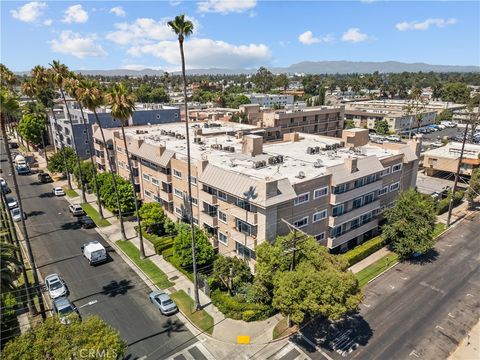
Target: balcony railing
column 209, row 218
column 244, row 215
column 354, row 193
column 349, row 215
column 352, row 233
column 208, row 198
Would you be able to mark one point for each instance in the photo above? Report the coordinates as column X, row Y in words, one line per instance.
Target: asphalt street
column 121, row 295
column 421, row 309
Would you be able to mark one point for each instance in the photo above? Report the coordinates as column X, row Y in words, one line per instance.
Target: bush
column 235, row 307
column 362, row 251
column 442, row 205
column 160, row 243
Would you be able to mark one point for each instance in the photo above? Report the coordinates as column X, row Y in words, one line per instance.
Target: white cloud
column 307, row 38
column 75, row 14
column 354, row 35
column 48, row 22
column 140, row 67
column 207, row 53
column 226, row 6
column 424, row 25
column 74, row 44
column 29, row 12
column 143, row 30
column 118, row 10
column 175, row 2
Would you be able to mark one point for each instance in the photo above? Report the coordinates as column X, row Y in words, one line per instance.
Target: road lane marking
column 423, row 283
column 392, row 287
column 414, row 353
column 470, row 295
column 404, row 278
column 449, row 314
column 366, row 305
column 439, row 327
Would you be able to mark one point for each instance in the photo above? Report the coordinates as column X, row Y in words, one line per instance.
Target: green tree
column 445, row 115
column 410, row 224
column 237, row 100
column 231, row 273
column 107, row 193
column 54, row 340
column 183, row 251
column 8, row 262
column 56, row 163
column 87, row 174
column 349, row 124
column 263, row 79
column 455, row 92
column 281, row 81
column 152, row 217
column 473, row 190
column 381, row 127
column 159, row 95
column 31, row 128
column 8, row 317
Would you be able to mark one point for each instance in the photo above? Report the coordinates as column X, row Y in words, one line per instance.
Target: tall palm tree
column 9, row 106
column 91, row 96
column 43, row 80
column 122, row 106
column 60, row 75
column 72, row 85
column 8, row 266
column 184, row 28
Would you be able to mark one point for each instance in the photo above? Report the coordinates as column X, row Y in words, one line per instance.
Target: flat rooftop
column 452, row 151
column 221, row 147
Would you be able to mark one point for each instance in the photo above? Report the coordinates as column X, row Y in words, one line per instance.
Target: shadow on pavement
column 427, row 258
column 35, row 213
column 115, row 288
column 46, row 195
column 74, row 225
column 171, row 326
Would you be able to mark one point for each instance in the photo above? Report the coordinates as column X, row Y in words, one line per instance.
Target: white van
column 20, row 160
column 94, row 252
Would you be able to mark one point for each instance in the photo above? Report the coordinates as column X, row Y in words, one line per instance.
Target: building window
column 359, row 183
column 367, row 199
column 222, row 217
column 302, row 199
column 386, row 171
column 194, row 201
column 178, row 193
column 245, row 205
column 146, row 176
column 383, row 191
column 222, row 238
column 177, row 174
column 320, row 215
column 358, row 202
column 243, row 227
column 337, row 210
column 320, row 192
column 155, row 181
column 355, row 223
column 301, row 223
column 320, row 237
column 396, row 168
column 193, row 180
column 339, row 189
column 221, row 195
column 244, row 252
column 394, row 186
column 147, row 193
column 336, row 231
column 370, row 179
column 178, row 211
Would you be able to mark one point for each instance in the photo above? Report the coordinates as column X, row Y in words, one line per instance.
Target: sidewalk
column 469, row 348
column 369, row 260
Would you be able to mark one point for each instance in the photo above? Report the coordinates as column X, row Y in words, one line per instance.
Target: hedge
column 160, row 243
column 362, row 251
column 235, row 308
column 442, row 205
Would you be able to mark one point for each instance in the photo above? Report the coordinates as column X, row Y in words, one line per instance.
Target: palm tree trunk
column 24, row 226
column 189, row 172
column 19, row 257
column 82, row 185
column 94, row 169
column 62, row 148
column 132, row 180
column 114, row 178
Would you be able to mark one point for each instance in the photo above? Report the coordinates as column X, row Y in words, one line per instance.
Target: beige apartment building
column 446, row 159
column 246, row 191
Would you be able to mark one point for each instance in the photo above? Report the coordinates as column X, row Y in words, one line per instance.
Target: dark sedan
column 86, row 222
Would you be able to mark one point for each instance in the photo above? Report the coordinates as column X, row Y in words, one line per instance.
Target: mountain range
column 305, row 67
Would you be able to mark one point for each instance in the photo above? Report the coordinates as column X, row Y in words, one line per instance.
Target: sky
column 103, row 35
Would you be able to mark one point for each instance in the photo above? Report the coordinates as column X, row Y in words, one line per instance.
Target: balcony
column 100, row 160
column 244, row 239
column 163, row 177
column 244, row 215
column 352, row 214
column 168, row 197
column 349, row 235
column 209, row 219
column 354, row 193
column 208, row 198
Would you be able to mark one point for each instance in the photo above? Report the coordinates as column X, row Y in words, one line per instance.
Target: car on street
column 94, row 252
column 11, row 202
column 64, row 308
column 12, row 145
column 17, row 215
column 23, row 169
column 86, row 222
column 163, row 302
column 3, row 182
column 58, row 191
column 55, row 285
column 76, row 210
column 45, row 178
column 6, row 189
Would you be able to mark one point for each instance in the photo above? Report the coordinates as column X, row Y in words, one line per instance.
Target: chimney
column 252, row 145
column 292, row 137
column 267, row 187
column 351, row 164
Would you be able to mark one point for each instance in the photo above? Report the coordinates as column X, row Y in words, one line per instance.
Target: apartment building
column 269, row 100
column 245, row 191
column 65, row 132
column 446, row 158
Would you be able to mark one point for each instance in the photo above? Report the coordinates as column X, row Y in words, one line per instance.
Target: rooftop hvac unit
column 317, row 163
column 280, row 159
column 272, row 160
column 310, row 150
column 317, row 149
column 163, row 132
column 301, row 175
column 232, row 149
column 328, row 147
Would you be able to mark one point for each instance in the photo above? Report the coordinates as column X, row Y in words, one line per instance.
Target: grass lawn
column 282, row 329
column 95, row 216
column 200, row 318
column 367, row 274
column 438, row 229
column 156, row 275
column 70, row 192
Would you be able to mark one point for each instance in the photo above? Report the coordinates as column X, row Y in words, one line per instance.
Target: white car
column 3, row 182
column 12, row 203
column 58, row 191
column 17, row 215
column 76, row 210
column 55, row 285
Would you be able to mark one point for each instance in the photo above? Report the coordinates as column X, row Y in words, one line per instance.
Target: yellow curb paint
column 243, row 339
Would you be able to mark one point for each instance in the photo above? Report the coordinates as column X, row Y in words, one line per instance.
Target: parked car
column 394, row 138
column 3, row 182
column 163, row 302
column 86, row 222
column 23, row 169
column 6, row 189
column 17, row 215
column 94, row 252
column 45, row 178
column 11, row 202
column 58, row 191
column 76, row 210
column 55, row 285
column 12, row 145
column 64, row 308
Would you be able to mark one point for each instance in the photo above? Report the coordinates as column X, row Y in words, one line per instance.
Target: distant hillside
column 307, row 67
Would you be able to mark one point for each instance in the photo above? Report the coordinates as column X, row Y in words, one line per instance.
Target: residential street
column 121, row 294
column 420, row 309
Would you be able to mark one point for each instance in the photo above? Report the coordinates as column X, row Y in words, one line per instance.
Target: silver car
column 17, row 215
column 55, row 285
column 163, row 302
column 12, row 202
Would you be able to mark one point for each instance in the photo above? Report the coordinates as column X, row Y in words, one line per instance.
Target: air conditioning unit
column 280, row 159
column 317, row 163
column 310, row 150
column 301, row 175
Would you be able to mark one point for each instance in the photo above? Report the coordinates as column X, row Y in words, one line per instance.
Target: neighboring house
column 446, row 158
column 269, row 100
column 245, row 191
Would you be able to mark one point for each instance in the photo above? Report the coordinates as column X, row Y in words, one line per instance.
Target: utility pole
column 296, row 239
column 450, row 206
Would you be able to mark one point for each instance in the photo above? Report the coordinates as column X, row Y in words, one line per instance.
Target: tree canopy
column 107, row 193
column 473, row 190
column 56, row 164
column 263, row 79
column 231, row 273
column 31, row 127
column 381, row 127
column 455, row 92
column 152, row 217
column 183, row 247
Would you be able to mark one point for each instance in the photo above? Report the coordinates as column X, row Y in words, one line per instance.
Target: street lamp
column 93, row 302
